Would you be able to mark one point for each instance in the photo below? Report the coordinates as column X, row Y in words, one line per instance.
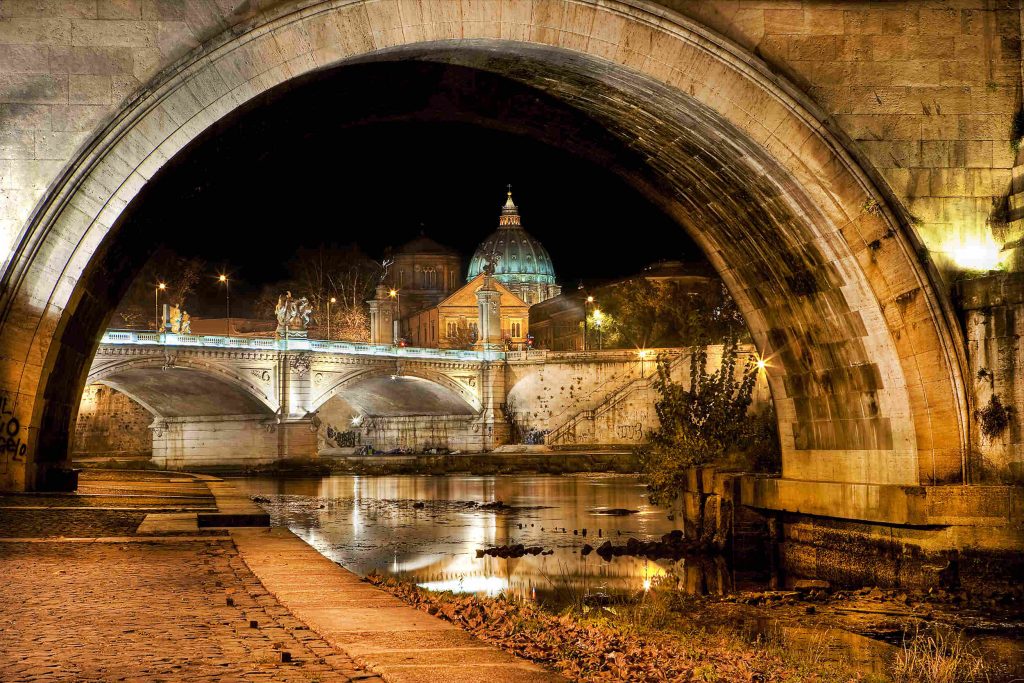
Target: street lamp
column 156, row 304
column 227, row 302
column 330, row 301
column 643, row 358
column 586, row 333
column 598, row 316
column 394, row 294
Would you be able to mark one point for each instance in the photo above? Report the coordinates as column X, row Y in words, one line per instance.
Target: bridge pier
column 193, row 442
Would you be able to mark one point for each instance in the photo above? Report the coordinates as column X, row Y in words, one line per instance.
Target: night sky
column 308, row 166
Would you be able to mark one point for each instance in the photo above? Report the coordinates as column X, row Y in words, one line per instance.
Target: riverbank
column 509, row 462
column 642, row 642
column 664, row 634
column 148, row 576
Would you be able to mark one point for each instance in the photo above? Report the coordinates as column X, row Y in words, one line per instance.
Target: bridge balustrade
column 116, row 337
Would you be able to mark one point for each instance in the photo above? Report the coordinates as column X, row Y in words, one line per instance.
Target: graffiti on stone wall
column 341, row 439
column 630, row 432
column 631, row 426
column 11, row 438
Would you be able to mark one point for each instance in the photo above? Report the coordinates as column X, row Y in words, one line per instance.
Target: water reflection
column 428, row 529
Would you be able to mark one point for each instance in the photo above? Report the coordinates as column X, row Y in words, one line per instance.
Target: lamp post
column 156, row 304
column 394, row 294
column 329, row 302
column 227, row 300
column 643, row 359
column 586, row 333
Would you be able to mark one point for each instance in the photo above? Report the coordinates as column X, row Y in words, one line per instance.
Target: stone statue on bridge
column 177, row 320
column 293, row 315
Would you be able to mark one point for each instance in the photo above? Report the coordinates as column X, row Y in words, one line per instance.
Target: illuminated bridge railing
column 135, row 337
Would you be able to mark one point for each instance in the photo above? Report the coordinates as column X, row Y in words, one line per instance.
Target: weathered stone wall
column 111, row 424
column 597, row 397
column 926, row 90
column 421, row 433
column 550, row 390
column 993, row 309
column 226, row 441
column 417, row 433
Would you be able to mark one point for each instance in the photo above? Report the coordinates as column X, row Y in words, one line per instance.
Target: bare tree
column 179, row 274
column 345, row 274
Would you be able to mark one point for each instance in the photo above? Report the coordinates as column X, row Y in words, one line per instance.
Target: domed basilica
column 432, row 308
column 524, row 266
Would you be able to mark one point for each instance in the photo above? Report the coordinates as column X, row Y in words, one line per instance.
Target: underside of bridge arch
column 400, row 396
column 179, row 392
column 864, row 363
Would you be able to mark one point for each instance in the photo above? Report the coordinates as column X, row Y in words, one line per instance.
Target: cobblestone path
column 140, row 611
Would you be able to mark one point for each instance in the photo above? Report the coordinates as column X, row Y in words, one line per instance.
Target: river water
column 428, row 529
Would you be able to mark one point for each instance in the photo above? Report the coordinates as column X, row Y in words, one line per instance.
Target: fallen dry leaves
column 586, row 650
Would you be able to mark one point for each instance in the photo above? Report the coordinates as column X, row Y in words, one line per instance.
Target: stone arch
column 866, row 366
column 338, row 388
column 135, row 377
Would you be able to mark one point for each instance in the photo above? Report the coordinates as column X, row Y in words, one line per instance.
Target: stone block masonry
column 993, row 312
column 598, row 397
column 110, row 424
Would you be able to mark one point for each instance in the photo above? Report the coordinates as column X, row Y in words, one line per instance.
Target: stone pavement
column 96, row 608
column 129, row 586
column 403, row 644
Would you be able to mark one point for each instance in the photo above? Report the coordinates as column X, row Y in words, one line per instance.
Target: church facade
column 455, row 322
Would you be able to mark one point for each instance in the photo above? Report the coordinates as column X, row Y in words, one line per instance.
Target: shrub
column 701, row 424
column 994, row 418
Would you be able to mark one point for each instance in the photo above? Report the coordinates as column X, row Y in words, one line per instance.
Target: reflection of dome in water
column 524, row 266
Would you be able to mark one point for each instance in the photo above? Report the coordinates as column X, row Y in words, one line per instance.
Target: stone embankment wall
column 993, row 311
column 421, row 433
column 197, row 443
column 111, row 424
column 598, row 397
column 962, row 536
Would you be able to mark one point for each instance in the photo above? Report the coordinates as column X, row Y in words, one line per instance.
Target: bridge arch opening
column 184, row 390
column 864, row 361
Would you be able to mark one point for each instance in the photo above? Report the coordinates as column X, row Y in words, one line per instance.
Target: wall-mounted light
column 980, row 253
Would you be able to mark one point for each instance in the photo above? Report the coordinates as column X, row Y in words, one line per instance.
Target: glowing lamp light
column 761, row 364
column 393, row 293
column 647, row 585
column 223, row 278
column 162, row 286
column 333, row 300
column 974, row 254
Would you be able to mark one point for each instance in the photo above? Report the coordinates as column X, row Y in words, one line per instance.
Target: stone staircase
column 580, row 428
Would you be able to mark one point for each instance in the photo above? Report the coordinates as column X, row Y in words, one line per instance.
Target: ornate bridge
column 255, row 399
